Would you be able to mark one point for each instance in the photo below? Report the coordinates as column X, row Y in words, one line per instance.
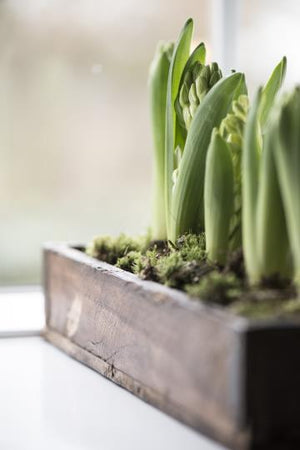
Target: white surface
column 21, row 310
column 51, row 402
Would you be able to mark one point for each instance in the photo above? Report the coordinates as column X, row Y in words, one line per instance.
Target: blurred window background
column 75, row 143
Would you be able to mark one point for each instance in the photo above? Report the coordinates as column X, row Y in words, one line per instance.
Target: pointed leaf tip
column 269, row 92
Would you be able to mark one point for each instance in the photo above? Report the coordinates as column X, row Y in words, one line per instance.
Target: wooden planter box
column 236, row 380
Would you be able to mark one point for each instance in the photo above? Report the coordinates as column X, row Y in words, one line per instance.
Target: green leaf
column 199, row 55
column 272, row 244
column 179, row 59
column 250, row 171
column 269, row 92
column 187, row 214
column 288, row 166
column 158, row 79
column 218, row 198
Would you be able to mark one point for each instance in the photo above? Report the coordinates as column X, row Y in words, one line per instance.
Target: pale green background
column 75, row 144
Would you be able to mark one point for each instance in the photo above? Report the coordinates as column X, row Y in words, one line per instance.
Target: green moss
column 169, row 269
column 292, row 306
column 191, row 247
column 184, row 266
column 145, row 267
column 175, row 272
column 129, row 261
column 259, row 303
column 182, row 263
column 110, row 249
column 216, row 287
column 256, row 310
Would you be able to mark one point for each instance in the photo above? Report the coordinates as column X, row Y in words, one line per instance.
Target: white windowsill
column 21, row 311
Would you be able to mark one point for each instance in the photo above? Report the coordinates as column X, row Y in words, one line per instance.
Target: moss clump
column 176, row 272
column 110, row 249
column 184, row 262
column 260, row 303
column 216, row 287
column 191, row 247
column 145, row 268
column 257, row 310
column 174, row 265
column 143, row 265
column 292, row 306
column 129, row 261
column 170, row 269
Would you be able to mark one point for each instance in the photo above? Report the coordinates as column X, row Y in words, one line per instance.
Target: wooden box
column 236, row 380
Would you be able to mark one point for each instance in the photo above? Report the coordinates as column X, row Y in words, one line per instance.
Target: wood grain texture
column 193, row 361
